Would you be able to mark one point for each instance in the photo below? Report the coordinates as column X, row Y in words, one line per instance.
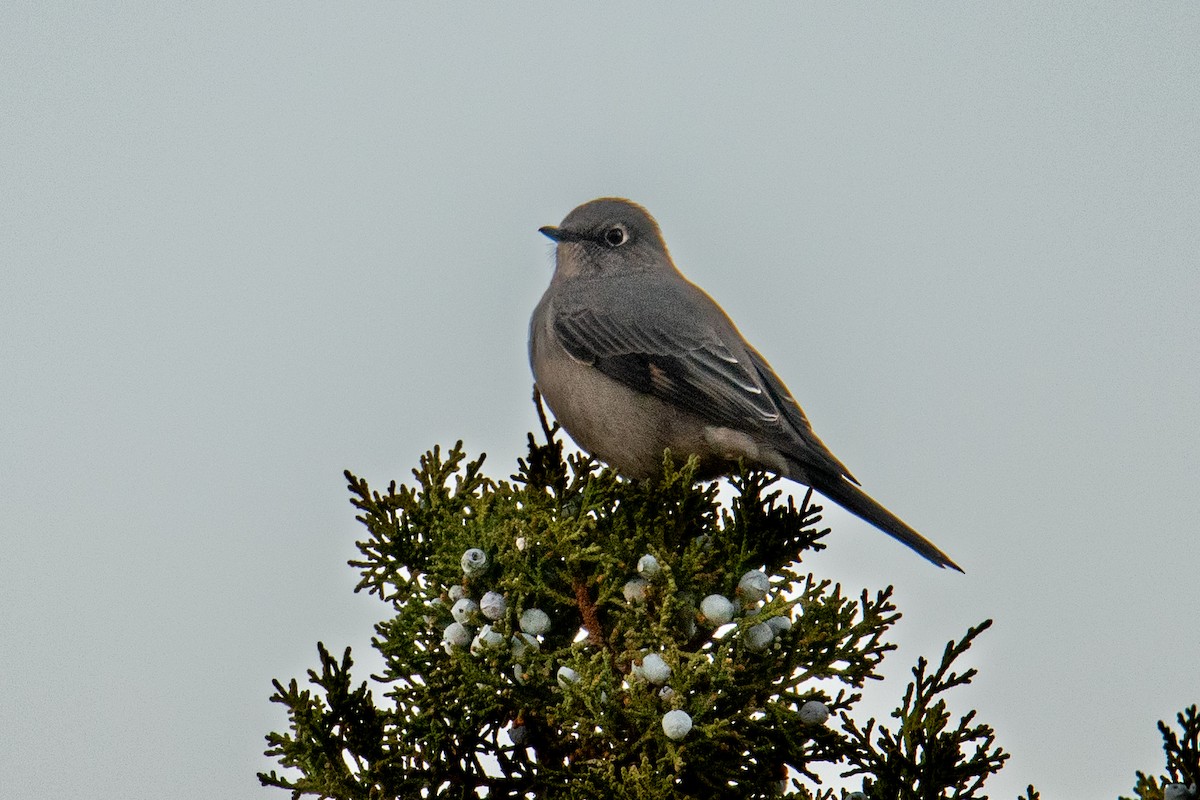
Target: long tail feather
column 859, row 503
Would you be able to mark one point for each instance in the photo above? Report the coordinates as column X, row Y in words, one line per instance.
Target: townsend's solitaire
column 633, row 359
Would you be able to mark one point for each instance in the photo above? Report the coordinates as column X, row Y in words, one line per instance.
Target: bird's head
column 610, row 235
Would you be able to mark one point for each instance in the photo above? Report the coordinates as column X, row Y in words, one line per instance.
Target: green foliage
column 501, row 721
column 1183, row 761
column 923, row 755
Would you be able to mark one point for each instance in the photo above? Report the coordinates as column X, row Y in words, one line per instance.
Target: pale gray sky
column 246, row 246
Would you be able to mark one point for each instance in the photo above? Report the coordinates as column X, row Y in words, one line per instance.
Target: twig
column 587, row 610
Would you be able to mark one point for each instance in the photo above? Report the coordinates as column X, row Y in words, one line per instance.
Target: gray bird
column 633, row 359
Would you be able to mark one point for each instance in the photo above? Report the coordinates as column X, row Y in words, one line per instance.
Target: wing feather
column 698, row 373
column 691, row 357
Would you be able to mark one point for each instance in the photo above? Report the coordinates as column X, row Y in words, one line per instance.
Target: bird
column 634, row 359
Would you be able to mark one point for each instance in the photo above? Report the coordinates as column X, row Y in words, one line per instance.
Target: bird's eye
column 615, row 236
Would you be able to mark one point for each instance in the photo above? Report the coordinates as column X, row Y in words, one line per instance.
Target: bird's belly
column 627, row 429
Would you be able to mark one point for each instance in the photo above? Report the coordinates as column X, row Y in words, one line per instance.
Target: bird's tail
column 859, row 503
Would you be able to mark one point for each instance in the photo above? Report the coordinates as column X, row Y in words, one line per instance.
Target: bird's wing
column 693, row 358
column 795, row 416
column 694, row 372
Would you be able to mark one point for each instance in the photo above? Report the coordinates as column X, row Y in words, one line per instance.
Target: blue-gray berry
column 655, row 670
column 492, row 605
column 635, row 590
column 456, row 635
column 648, row 567
column 486, row 639
column 759, row 637
column 753, row 586
column 717, row 609
column 814, row 712
column 473, row 561
column 465, row 611
column 534, row 621
column 676, row 724
column 567, row 676
column 523, row 643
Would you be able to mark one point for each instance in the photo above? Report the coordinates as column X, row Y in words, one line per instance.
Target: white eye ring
column 616, row 236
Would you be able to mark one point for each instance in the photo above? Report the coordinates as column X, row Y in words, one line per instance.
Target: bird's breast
column 626, row 428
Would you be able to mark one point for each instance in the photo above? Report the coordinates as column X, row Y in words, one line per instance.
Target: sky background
column 246, row 246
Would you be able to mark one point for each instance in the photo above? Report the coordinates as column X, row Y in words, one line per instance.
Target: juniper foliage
column 500, row 718
column 1182, row 751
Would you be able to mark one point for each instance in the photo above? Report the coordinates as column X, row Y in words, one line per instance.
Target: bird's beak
column 559, row 235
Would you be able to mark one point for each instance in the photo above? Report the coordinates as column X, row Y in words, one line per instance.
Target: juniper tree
column 569, row 634
column 1182, row 750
